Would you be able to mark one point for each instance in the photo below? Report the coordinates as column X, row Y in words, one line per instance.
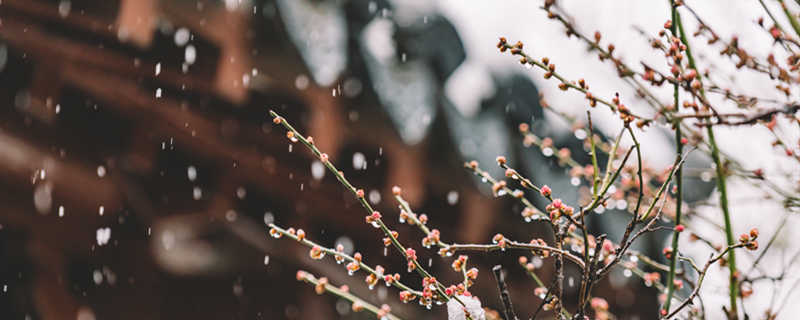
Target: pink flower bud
column 545, row 191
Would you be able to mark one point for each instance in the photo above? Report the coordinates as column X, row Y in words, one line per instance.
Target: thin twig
column 504, row 296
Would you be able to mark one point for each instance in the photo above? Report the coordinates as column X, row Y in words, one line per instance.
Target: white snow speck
column 64, row 8
column 317, row 170
column 268, row 217
column 197, row 193
column 374, row 196
column 452, row 197
column 182, row 37
column 191, row 173
column 359, row 161
column 103, row 235
column 190, row 55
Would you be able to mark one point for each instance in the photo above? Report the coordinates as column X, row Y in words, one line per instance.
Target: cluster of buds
column 511, row 173
column 500, row 241
column 405, row 217
column 373, row 218
column 353, row 266
column 383, row 311
column 429, row 282
column 530, row 139
column 551, row 69
column 749, row 239
column 609, row 250
column 316, row 253
column 387, row 241
column 677, row 283
column 608, row 247
column 793, row 61
column 301, row 235
column 431, row 239
column 571, row 229
column 411, row 256
column 389, row 279
column 529, row 213
column 275, row 233
column 540, row 242
column 445, row 252
column 690, row 76
column 551, row 303
column 691, row 105
column 600, row 307
column 554, row 208
column 563, row 155
column 428, row 288
column 624, row 113
column 459, row 289
column 502, row 44
column 676, row 48
column 545, row 191
column 459, row 263
column 649, row 75
column 651, row 278
column 591, row 242
column 472, row 274
column 406, row 296
column 372, row 278
column 320, row 287
column 591, row 98
column 668, row 252
column 339, row 257
column 599, row 304
column 523, row 261
column 497, row 186
column 411, row 218
column 582, row 84
column 557, row 208
column 540, row 292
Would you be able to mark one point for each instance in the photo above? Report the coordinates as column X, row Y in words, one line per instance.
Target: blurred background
column 139, row 164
